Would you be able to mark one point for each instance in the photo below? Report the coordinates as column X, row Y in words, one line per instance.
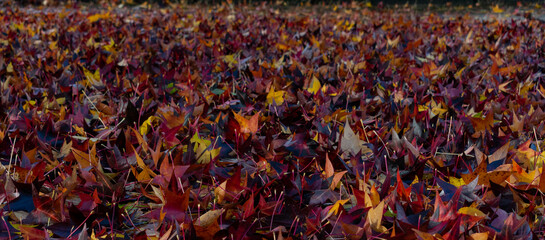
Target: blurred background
column 374, row 3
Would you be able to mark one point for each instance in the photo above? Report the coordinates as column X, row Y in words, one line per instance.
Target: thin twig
column 452, row 154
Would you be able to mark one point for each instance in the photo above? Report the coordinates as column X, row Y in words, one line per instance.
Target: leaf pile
column 257, row 122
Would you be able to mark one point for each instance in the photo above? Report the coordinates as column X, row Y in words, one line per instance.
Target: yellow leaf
column 374, row 217
column 10, row 68
column 92, row 78
column 497, row 9
column 437, row 108
column 457, row 182
column 28, row 105
column 392, row 43
column 53, row 46
column 146, row 173
column 110, row 47
column 422, row 108
column 230, row 60
column 145, row 127
column 275, row 96
column 203, row 150
column 335, row 208
column 98, row 16
column 471, row 211
column 314, row 85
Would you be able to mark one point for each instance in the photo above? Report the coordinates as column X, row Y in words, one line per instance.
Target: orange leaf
column 479, row 236
column 329, row 171
column 82, row 158
column 338, row 176
column 248, row 125
column 483, row 124
column 375, row 197
column 481, row 169
column 542, row 180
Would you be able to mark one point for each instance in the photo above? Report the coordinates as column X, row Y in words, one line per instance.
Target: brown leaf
column 481, row 124
column 374, row 217
column 480, row 170
column 329, row 170
column 208, row 218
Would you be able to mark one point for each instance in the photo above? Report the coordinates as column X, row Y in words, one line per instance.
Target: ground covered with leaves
column 270, row 122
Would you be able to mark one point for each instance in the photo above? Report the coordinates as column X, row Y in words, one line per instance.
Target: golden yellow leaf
column 92, row 78
column 336, row 207
column 10, row 68
column 82, row 158
column 315, row 85
column 230, row 60
column 497, row 9
column 471, row 211
column 110, row 47
column 146, row 125
column 98, row 16
column 457, row 182
column 375, row 196
column 202, row 151
column 275, row 96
